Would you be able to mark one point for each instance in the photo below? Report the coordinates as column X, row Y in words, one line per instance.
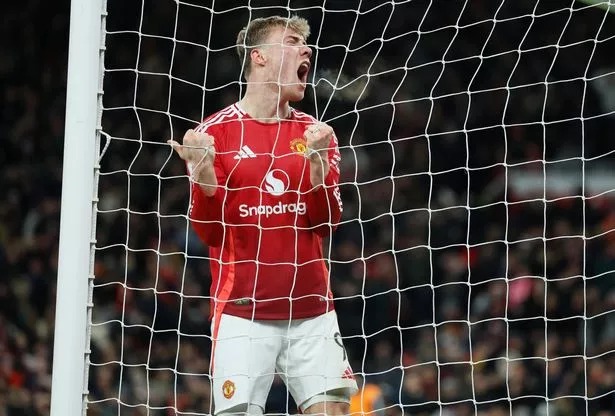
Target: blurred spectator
column 369, row 400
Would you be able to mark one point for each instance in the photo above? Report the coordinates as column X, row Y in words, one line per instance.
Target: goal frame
column 77, row 240
column 77, row 229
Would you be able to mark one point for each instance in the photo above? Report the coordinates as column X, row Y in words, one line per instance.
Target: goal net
column 473, row 268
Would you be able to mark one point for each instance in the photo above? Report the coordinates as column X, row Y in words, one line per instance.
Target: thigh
column 313, row 359
column 243, row 362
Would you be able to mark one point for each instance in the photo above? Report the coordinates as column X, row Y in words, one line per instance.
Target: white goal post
column 472, row 270
column 75, row 261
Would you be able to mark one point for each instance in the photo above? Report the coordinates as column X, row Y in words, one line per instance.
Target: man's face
column 288, row 62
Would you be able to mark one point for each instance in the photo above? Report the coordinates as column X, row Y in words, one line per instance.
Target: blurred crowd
column 462, row 287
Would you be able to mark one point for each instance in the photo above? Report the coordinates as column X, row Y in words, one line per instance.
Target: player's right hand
column 197, row 149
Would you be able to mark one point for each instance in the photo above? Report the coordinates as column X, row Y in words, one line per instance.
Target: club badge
column 298, row 146
column 228, row 389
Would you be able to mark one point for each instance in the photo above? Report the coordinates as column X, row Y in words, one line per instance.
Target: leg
column 243, row 365
column 335, row 402
column 328, row 408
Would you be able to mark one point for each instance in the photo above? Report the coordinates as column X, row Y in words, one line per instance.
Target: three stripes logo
column 244, row 153
column 348, row 374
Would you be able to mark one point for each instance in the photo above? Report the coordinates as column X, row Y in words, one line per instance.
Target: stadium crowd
column 461, row 289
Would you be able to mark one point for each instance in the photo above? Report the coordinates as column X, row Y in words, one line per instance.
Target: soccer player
column 264, row 194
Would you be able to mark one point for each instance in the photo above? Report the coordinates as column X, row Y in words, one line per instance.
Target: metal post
column 69, row 384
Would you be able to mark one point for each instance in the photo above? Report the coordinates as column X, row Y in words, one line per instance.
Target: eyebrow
column 296, row 38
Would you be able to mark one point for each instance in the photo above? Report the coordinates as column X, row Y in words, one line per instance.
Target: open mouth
column 302, row 72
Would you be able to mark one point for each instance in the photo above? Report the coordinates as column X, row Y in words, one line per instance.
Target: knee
column 243, row 409
column 328, row 408
column 338, row 408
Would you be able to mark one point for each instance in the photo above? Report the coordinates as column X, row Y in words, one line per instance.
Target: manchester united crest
column 228, row 389
column 298, row 146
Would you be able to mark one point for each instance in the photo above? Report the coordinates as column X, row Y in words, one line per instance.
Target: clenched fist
column 198, row 150
column 318, row 138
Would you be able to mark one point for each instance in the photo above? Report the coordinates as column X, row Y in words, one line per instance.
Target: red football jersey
column 265, row 223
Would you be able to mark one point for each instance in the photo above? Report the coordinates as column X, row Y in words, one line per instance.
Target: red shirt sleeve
column 324, row 204
column 206, row 211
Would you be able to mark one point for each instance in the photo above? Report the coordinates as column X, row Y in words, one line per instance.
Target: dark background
column 474, row 268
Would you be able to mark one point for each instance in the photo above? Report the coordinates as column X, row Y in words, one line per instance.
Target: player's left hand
column 318, row 138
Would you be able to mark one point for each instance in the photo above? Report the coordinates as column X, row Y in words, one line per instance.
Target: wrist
column 318, row 172
column 199, row 173
column 205, row 176
column 208, row 190
column 317, row 156
column 319, row 165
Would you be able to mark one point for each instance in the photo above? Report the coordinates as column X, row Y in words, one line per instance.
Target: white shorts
column 307, row 353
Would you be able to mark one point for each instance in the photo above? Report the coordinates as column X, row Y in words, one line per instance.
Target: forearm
column 319, row 169
column 205, row 176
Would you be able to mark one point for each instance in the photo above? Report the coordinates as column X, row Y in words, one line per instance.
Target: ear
column 257, row 57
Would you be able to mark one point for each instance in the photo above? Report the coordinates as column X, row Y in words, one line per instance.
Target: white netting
column 473, row 270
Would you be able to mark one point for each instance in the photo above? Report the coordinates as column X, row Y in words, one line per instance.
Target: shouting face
column 286, row 62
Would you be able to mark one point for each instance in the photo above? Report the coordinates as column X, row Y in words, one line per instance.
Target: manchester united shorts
column 307, row 353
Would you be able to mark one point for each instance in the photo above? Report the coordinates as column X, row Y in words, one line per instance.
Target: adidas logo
column 348, row 374
column 244, row 153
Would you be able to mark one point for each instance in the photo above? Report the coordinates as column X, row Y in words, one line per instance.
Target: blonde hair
column 257, row 30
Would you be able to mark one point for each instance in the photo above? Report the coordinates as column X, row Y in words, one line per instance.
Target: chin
column 296, row 97
column 296, row 94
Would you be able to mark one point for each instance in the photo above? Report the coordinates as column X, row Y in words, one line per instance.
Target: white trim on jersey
column 335, row 161
column 219, row 117
column 238, row 108
column 301, row 114
column 244, row 153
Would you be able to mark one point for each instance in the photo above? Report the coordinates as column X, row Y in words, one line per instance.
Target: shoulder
column 302, row 117
column 220, row 118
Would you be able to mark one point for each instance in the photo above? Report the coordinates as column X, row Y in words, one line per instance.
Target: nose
column 307, row 51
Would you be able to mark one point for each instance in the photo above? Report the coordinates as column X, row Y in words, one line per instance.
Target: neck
column 262, row 102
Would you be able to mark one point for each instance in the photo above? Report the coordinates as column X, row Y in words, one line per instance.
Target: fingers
column 318, row 135
column 196, row 139
column 193, row 139
column 313, row 128
column 318, row 130
column 195, row 145
column 176, row 146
